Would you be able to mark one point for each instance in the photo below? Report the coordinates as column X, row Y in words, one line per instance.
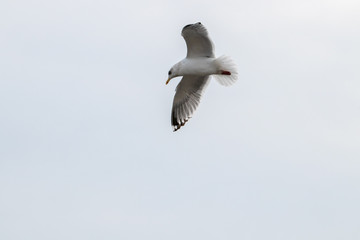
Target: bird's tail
column 227, row 72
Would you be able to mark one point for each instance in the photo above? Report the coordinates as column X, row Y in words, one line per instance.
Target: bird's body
column 196, row 69
column 197, row 66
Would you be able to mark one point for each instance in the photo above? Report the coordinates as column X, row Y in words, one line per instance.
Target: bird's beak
column 168, row 81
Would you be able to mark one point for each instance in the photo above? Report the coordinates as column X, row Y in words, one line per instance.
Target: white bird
column 200, row 63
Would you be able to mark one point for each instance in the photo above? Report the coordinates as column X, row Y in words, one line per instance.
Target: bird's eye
column 169, row 72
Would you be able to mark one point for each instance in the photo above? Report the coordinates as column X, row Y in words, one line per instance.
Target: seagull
column 200, row 63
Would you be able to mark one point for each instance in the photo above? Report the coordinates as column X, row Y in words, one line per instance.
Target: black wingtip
column 177, row 125
column 187, row 26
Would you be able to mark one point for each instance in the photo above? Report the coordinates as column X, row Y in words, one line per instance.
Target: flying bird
column 196, row 69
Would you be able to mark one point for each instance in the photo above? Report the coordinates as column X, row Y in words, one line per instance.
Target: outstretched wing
column 187, row 98
column 197, row 41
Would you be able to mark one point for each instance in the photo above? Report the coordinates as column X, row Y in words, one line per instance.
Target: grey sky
column 86, row 146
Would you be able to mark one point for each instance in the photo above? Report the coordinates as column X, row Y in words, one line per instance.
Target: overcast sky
column 86, row 146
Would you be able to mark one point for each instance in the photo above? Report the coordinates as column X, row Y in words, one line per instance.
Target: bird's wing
column 187, row 98
column 197, row 41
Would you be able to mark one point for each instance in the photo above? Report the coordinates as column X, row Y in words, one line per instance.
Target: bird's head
column 173, row 72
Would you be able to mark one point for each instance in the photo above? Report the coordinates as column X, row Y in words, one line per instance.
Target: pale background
column 86, row 146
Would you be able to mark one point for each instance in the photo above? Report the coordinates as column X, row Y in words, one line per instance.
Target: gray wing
column 187, row 98
column 197, row 41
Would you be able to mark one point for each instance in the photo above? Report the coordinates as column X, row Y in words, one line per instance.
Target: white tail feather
column 227, row 65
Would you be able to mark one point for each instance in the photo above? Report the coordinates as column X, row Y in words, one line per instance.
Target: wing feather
column 187, row 98
column 197, row 41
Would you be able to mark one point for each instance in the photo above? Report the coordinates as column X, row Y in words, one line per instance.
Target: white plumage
column 200, row 63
